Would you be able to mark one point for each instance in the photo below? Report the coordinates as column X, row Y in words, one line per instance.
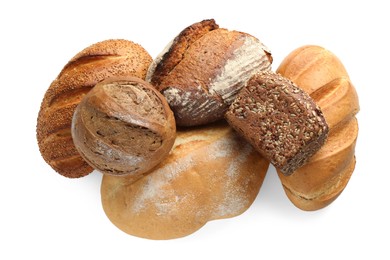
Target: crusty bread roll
column 92, row 65
column 321, row 74
column 123, row 126
column 211, row 173
column 203, row 68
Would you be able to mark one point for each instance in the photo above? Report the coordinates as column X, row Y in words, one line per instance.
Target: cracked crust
column 174, row 52
column 123, row 126
column 202, row 70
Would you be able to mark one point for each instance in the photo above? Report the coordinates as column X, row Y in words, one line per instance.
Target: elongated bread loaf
column 92, row 65
column 322, row 75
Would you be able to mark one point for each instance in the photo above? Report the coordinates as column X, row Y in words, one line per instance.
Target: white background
column 46, row 216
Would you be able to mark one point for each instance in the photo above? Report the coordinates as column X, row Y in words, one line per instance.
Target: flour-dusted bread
column 203, row 68
column 211, row 173
column 92, row 65
column 123, row 126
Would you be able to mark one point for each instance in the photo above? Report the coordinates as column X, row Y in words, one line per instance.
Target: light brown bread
column 203, row 68
column 211, row 173
column 123, row 126
column 92, row 65
column 312, row 67
column 324, row 177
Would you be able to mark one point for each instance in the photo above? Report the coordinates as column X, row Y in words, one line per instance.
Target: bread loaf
column 92, row 65
column 280, row 120
column 211, row 173
column 203, row 68
column 123, row 126
column 320, row 73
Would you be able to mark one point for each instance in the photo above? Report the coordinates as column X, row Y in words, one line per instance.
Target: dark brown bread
column 123, row 126
column 203, row 69
column 279, row 119
column 92, row 65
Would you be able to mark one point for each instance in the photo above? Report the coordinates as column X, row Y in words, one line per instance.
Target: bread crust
column 203, row 70
column 174, row 52
column 123, row 126
column 211, row 173
column 320, row 73
column 280, row 120
column 90, row 66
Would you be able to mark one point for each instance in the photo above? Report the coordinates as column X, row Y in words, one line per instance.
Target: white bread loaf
column 322, row 75
column 211, row 173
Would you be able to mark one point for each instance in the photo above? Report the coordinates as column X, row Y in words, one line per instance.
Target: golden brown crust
column 312, row 66
column 210, row 174
column 328, row 171
column 326, row 174
column 92, row 65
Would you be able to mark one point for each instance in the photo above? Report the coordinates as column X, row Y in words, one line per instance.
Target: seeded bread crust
column 90, row 66
column 279, row 119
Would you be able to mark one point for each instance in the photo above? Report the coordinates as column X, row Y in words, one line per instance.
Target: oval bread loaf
column 92, row 65
column 211, row 173
column 322, row 75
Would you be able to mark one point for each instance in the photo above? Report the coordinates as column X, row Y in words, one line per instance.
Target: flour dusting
column 227, row 186
column 153, row 190
column 247, row 60
column 235, row 198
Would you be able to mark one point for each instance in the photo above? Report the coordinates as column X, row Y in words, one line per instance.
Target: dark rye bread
column 203, row 68
column 90, row 66
column 279, row 119
column 123, row 126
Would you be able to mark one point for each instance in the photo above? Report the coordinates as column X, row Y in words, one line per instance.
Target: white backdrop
column 44, row 215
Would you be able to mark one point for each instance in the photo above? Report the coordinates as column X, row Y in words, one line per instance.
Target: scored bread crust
column 211, row 173
column 203, row 68
column 90, row 66
column 322, row 75
column 123, row 126
column 175, row 50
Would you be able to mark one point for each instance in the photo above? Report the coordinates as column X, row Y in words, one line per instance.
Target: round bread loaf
column 93, row 64
column 321, row 74
column 123, row 126
column 211, row 173
column 203, row 68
